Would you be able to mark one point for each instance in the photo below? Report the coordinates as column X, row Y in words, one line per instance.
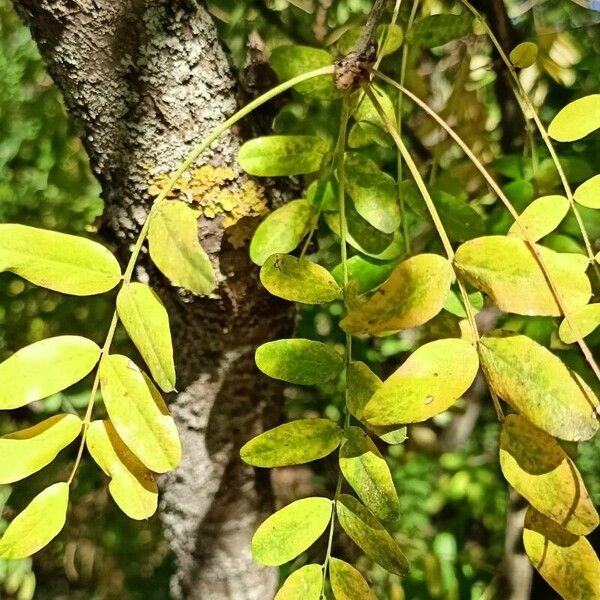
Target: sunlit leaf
column 38, row 524
column 365, row 274
column 304, row 584
column 541, row 217
column 293, row 443
column 539, row 469
column 276, row 155
column 176, row 250
column 373, row 192
column 347, row 583
column 291, row 530
column 577, row 119
column 281, row 231
column 44, row 368
column 65, row 263
column 139, row 414
column 428, row 383
column 147, row 323
column 131, row 484
column 26, row 451
column 413, row 294
column 437, row 30
column 523, row 55
column 567, row 562
column 290, row 61
column 588, row 193
column 508, row 272
column 369, row 535
column 539, row 386
column 300, row 361
column 362, row 383
column 366, row 471
column 585, row 320
column 299, row 280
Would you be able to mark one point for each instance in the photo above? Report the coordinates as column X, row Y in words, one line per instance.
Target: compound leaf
column 275, row 155
column 291, row 530
column 281, row 231
column 299, row 361
column 139, row 414
column 38, row 524
column 369, row 535
column 293, row 443
column 539, row 469
column 506, row 269
column 566, row 561
column 45, row 368
column 539, row 386
column 132, row 485
column 413, row 294
column 366, row 471
column 29, row 450
column 298, row 280
column 175, row 248
column 428, row 383
column 64, row 263
column 147, row 323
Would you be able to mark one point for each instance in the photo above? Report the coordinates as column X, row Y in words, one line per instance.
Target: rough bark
column 147, row 81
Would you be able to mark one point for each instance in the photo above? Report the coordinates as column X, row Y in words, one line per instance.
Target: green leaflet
column 392, row 37
column 524, row 55
column 293, row 443
column 364, row 273
column 291, row 530
column 147, row 323
column 299, row 280
column 44, row 368
column 299, row 361
column 369, row 535
column 461, row 221
column 65, row 263
column 567, row 562
column 437, row 30
column 347, row 583
column 290, row 61
column 38, row 524
column 275, row 155
column 304, row 584
column 539, row 386
column 373, row 192
column 507, row 271
column 369, row 127
column 29, row 450
column 143, row 422
column 588, row 193
column 414, row 293
column 362, row 383
column 454, row 304
column 541, row 217
column 585, row 320
column 576, row 120
column 176, row 250
column 281, row 231
column 535, row 464
column 366, row 471
column 428, row 383
column 132, row 485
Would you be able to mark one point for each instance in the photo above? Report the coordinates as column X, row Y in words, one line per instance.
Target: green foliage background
column 453, row 497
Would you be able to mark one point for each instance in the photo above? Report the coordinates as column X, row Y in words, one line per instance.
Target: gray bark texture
column 146, row 80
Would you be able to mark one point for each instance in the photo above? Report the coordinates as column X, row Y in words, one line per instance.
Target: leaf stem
column 509, row 206
column 189, row 160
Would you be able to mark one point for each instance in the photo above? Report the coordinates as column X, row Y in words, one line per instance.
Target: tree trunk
column 147, row 81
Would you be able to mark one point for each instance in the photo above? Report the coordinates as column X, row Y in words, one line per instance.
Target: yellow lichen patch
column 217, row 191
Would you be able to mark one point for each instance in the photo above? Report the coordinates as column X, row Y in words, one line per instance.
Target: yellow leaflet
column 541, row 217
column 304, row 584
